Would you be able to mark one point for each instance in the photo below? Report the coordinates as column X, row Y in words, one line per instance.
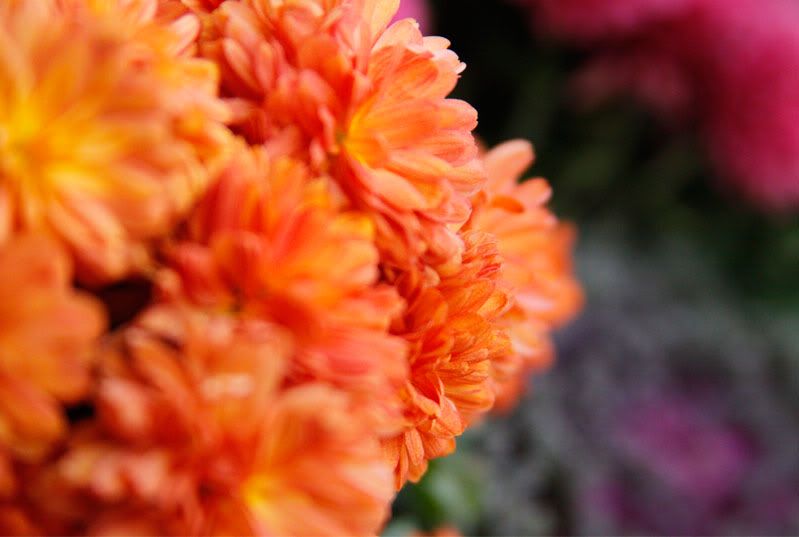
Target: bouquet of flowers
column 255, row 270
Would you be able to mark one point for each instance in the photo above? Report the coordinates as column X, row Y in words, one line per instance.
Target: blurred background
column 669, row 130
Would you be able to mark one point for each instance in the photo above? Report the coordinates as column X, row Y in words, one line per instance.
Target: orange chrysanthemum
column 46, row 336
column 328, row 80
column 332, row 298
column 450, row 324
column 196, row 437
column 269, row 242
column 536, row 252
column 107, row 129
column 410, row 157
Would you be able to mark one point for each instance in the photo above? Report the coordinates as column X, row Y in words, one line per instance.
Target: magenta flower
column 416, row 9
column 595, row 19
column 729, row 66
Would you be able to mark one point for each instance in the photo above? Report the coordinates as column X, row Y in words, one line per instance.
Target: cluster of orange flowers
column 331, row 280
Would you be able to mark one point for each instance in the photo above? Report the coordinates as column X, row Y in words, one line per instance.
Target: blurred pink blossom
column 729, row 66
column 416, row 9
column 752, row 102
column 685, row 449
column 593, row 19
column 694, row 459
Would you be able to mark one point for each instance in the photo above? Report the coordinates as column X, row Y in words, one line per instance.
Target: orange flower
column 196, row 437
column 409, row 152
column 329, row 81
column 107, row 130
column 536, row 250
column 336, row 295
column 450, row 324
column 46, row 335
column 268, row 242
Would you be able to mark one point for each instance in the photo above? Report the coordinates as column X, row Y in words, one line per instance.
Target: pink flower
column 596, row 19
column 752, row 106
column 415, row 9
column 730, row 66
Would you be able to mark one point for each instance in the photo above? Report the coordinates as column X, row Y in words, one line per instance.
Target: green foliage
column 450, row 494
